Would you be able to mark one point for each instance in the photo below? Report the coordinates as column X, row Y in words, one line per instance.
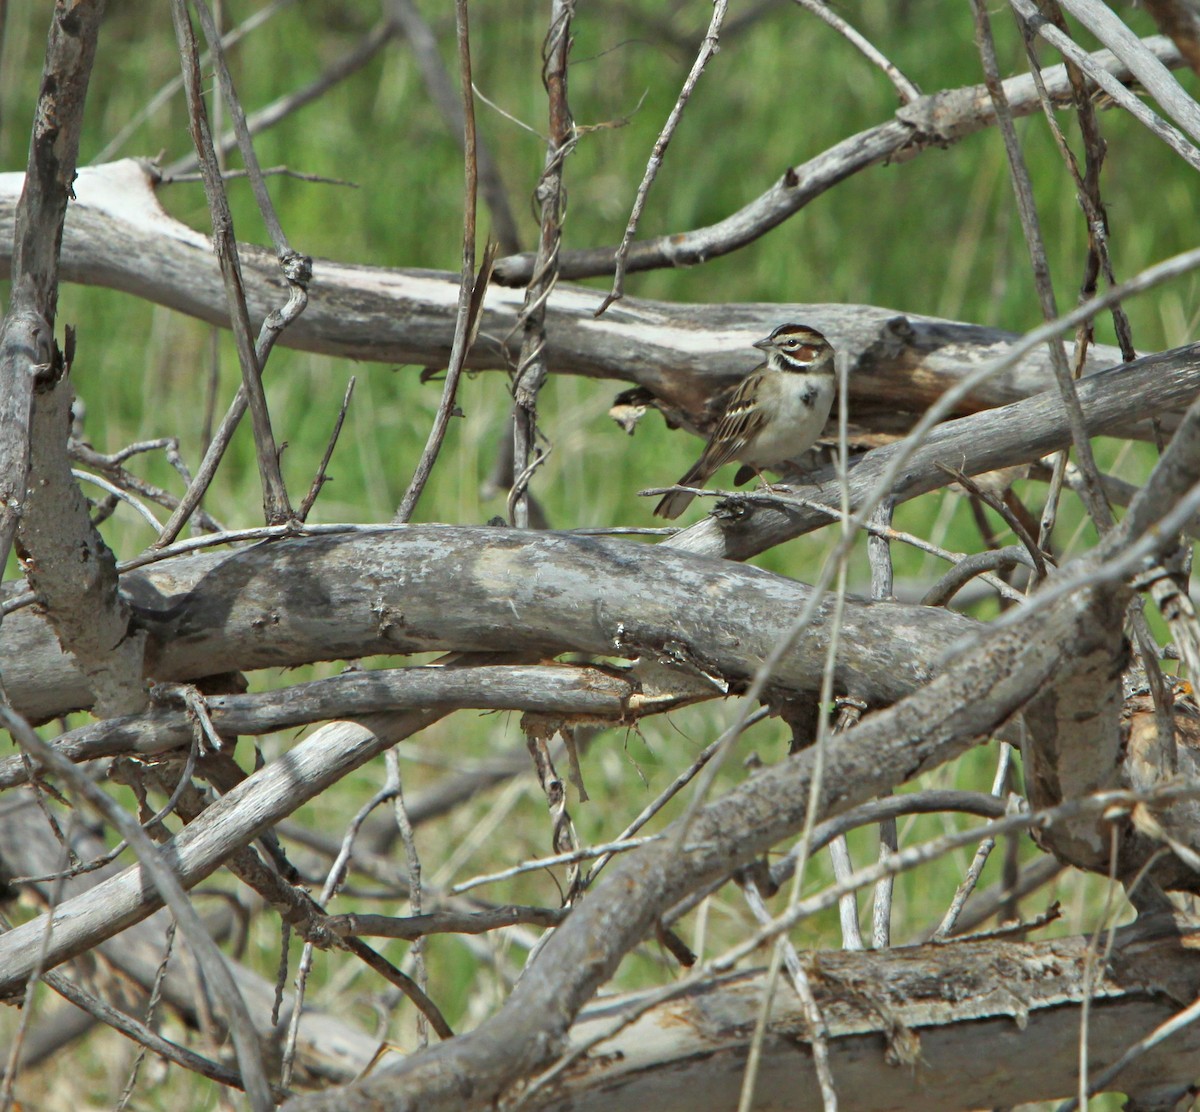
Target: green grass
column 933, row 235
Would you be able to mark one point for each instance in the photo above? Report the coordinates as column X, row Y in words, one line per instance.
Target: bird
column 775, row 414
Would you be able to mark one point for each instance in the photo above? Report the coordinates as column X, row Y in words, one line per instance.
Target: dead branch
column 472, row 286
column 551, row 197
column 1107, row 26
column 70, row 568
column 330, row 1049
column 898, row 1031
column 682, row 354
column 224, row 828
column 405, row 15
column 1018, row 433
column 171, row 892
column 931, row 121
column 419, row 588
column 276, row 507
column 934, row 724
column 708, row 48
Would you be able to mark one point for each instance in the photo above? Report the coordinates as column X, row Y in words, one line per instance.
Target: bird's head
column 796, row 347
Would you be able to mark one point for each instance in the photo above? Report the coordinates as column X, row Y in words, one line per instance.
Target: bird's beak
column 764, row 343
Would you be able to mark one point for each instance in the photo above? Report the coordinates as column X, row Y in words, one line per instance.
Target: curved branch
column 696, row 625
column 1019, row 433
column 117, row 235
column 932, row 121
column 982, row 688
column 557, row 689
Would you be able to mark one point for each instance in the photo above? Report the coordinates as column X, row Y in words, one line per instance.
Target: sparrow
column 775, row 414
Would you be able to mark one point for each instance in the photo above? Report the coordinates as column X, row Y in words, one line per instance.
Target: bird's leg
column 770, row 487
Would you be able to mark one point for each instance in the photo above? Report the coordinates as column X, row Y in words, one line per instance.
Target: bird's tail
column 673, row 504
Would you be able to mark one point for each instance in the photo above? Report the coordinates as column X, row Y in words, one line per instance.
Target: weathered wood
column 983, row 687
column 971, row 1024
column 330, row 1049
column 440, row 587
column 1022, row 432
column 229, row 824
column 579, row 693
column 118, row 235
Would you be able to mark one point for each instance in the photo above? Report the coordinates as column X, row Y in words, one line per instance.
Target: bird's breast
column 802, row 404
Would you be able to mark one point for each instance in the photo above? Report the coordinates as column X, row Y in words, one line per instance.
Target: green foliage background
column 934, row 235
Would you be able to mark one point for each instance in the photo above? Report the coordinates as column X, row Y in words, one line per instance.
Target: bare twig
column 1108, row 27
column 541, row 863
column 850, row 713
column 120, row 495
column 246, row 147
column 68, row 564
column 708, row 48
column 1010, row 519
column 276, row 507
column 407, row 17
column 149, row 825
column 843, row 866
column 818, row 1032
column 268, row 116
column 907, row 90
column 1104, row 78
column 151, row 1011
column 143, row 1035
column 519, row 492
column 879, row 553
column 877, row 811
column 36, row 975
column 671, row 790
column 1104, row 1079
column 982, row 852
column 563, row 837
column 164, row 879
column 320, row 478
column 267, row 172
column 874, row 531
column 935, row 120
column 1087, row 188
column 531, row 367
column 404, row 983
column 470, row 305
column 412, row 927
column 913, row 856
column 395, row 786
column 333, row 881
column 1004, row 894
column 1094, row 499
column 230, row 38
column 110, row 466
column 970, row 566
column 548, row 689
column 304, row 913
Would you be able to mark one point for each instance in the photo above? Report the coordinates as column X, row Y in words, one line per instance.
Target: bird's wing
column 738, row 426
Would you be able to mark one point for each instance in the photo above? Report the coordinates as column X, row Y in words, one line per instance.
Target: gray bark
column 418, row 588
column 901, row 1026
column 118, row 235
